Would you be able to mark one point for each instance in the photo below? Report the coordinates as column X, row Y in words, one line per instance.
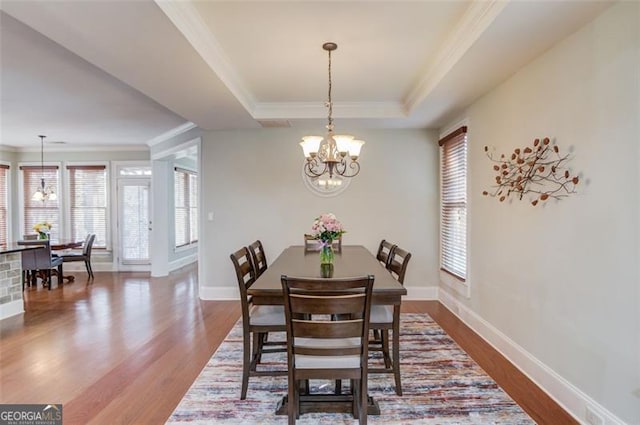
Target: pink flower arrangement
column 327, row 228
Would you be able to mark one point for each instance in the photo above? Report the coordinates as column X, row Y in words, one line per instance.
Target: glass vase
column 326, row 253
column 326, row 259
column 42, row 236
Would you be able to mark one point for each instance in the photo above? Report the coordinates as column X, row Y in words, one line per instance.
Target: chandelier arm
column 354, row 166
column 309, row 169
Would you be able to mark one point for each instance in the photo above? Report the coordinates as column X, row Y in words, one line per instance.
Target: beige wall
column 251, row 182
column 562, row 280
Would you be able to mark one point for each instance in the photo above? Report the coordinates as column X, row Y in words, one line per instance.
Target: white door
column 134, row 221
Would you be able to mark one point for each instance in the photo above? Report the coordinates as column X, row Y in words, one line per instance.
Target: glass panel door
column 134, row 220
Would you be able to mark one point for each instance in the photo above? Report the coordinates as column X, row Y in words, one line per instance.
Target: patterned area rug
column 440, row 382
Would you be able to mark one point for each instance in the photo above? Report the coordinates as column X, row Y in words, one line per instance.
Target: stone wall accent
column 10, row 277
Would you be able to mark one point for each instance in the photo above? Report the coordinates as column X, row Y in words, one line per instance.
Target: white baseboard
column 569, row 397
column 218, row 293
column 184, row 261
column 78, row 266
column 428, row 293
column 11, row 309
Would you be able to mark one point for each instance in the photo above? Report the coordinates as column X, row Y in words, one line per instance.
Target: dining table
column 350, row 261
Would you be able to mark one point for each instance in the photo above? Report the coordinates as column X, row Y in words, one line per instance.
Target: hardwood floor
column 125, row 348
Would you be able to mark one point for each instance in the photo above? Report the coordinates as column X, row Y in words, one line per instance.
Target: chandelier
column 335, row 154
column 43, row 193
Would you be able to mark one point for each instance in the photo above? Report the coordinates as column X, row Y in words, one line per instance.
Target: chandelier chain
column 330, row 102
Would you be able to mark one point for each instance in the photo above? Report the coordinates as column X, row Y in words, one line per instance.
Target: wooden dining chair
column 318, row 348
column 385, row 318
column 257, row 322
column 258, row 258
column 385, row 251
column 84, row 256
column 311, row 244
column 40, row 262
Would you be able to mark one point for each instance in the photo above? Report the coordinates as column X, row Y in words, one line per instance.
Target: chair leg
column 362, row 400
column 355, row 410
column 60, row 275
column 49, row 279
column 292, row 410
column 87, row 265
column 384, row 336
column 338, row 387
column 246, row 356
column 396, row 349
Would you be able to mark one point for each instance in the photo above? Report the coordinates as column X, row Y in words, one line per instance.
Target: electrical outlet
column 592, row 417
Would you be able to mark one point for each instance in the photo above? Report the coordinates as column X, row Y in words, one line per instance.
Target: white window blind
column 186, row 206
column 88, row 202
column 4, row 192
column 453, row 214
column 39, row 211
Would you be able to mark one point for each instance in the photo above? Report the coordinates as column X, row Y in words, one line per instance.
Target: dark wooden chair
column 318, row 348
column 257, row 321
column 258, row 258
column 385, row 318
column 385, row 252
column 85, row 256
column 313, row 245
column 40, row 262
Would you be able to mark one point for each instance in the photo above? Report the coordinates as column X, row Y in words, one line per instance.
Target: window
column 186, row 202
column 4, row 203
column 453, row 214
column 88, row 202
column 38, row 211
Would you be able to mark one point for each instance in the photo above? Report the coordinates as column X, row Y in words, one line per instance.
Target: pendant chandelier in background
column 43, row 193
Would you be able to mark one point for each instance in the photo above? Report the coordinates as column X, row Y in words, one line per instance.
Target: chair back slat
column 385, row 252
column 319, row 351
column 258, row 258
column 336, row 328
column 398, row 263
column 313, row 304
column 311, row 244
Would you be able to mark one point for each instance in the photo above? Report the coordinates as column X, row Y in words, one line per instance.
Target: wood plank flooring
column 124, row 348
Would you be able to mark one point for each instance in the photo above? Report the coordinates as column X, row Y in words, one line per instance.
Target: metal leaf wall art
column 538, row 171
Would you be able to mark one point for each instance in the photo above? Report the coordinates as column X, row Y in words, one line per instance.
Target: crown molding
column 171, row 133
column 190, row 23
column 85, row 148
column 312, row 110
column 476, row 19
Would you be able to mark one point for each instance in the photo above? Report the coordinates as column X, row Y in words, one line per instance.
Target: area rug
column 440, row 382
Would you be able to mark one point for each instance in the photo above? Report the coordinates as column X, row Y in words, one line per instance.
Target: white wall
column 251, row 182
column 562, row 280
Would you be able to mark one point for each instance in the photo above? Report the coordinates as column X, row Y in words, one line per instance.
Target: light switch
column 210, row 216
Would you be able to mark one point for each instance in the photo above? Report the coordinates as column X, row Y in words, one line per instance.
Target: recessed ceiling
column 126, row 72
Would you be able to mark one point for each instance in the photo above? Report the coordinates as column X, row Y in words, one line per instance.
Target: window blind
column 453, row 214
column 186, row 206
column 38, row 211
column 88, row 202
column 4, row 192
